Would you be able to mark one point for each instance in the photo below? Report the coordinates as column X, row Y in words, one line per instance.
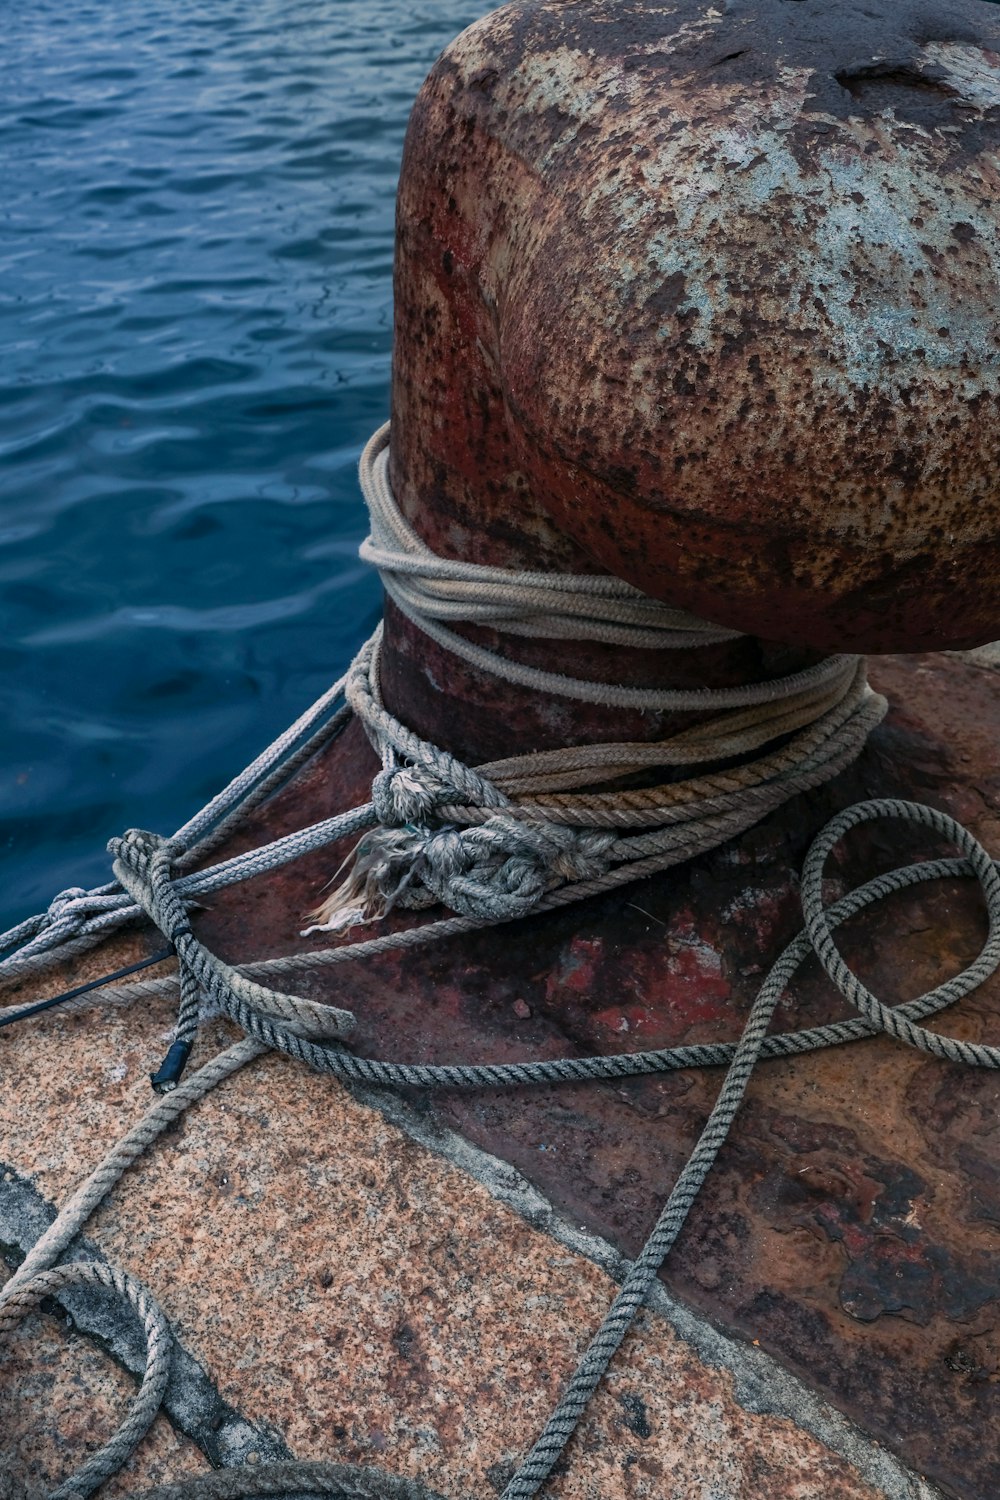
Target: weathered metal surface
column 851, row 1224
column 712, row 290
column 706, row 297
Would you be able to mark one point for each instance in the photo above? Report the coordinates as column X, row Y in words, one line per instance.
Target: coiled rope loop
column 22, row 1294
column 883, row 1017
column 554, row 606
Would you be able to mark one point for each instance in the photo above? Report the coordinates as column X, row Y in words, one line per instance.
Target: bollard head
column 732, row 271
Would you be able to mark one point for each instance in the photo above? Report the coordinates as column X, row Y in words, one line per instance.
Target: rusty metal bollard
column 706, row 297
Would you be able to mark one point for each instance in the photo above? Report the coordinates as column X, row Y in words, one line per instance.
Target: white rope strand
column 577, row 606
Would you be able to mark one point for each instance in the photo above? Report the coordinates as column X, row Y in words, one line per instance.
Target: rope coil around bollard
column 535, row 848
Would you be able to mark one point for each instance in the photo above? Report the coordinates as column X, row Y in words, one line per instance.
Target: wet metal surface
column 718, row 286
column 851, row 1224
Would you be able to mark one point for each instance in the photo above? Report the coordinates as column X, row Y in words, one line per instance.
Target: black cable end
column 169, row 1075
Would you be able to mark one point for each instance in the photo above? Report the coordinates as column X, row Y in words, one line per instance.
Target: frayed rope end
column 382, row 871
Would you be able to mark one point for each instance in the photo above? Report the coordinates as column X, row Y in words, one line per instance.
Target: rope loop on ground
column 17, row 1300
column 885, row 1017
column 145, row 851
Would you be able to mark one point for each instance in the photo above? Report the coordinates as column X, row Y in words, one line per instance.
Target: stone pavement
column 408, row 1282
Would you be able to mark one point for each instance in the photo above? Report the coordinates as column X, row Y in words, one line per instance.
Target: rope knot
column 494, row 871
column 63, row 903
column 69, row 910
column 138, row 845
column 69, row 915
column 406, row 794
column 149, row 859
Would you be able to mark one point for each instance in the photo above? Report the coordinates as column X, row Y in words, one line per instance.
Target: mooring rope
column 578, row 606
column 20, row 1299
column 493, row 843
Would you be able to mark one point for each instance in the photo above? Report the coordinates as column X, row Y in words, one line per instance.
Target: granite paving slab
column 359, row 1296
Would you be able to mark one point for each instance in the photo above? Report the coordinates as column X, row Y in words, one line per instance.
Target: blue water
column 196, row 230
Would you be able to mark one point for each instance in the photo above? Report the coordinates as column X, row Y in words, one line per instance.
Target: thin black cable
column 83, row 989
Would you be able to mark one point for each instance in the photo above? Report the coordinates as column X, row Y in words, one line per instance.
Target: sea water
column 196, row 231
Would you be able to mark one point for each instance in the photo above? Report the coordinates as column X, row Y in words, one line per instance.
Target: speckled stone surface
column 61, row 1399
column 368, row 1299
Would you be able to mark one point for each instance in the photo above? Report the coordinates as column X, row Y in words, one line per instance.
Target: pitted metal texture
column 706, row 295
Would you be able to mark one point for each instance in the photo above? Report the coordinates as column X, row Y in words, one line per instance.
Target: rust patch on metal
column 713, row 289
column 851, row 1223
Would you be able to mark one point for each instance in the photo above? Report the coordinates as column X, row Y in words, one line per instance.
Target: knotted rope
column 492, row 843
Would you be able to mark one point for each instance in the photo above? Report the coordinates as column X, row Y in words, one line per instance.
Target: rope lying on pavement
column 19, row 1300
column 901, row 1022
column 495, row 843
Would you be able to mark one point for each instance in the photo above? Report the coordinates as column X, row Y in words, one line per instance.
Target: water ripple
column 195, row 259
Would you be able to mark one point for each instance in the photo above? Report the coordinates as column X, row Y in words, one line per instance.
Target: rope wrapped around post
column 531, row 833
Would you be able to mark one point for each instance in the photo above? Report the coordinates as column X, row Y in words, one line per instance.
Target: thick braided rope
column 17, row 1300
column 685, row 824
column 143, row 867
column 742, row 1058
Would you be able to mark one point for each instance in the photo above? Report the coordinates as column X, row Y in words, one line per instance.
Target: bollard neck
column 457, row 484
column 458, row 470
